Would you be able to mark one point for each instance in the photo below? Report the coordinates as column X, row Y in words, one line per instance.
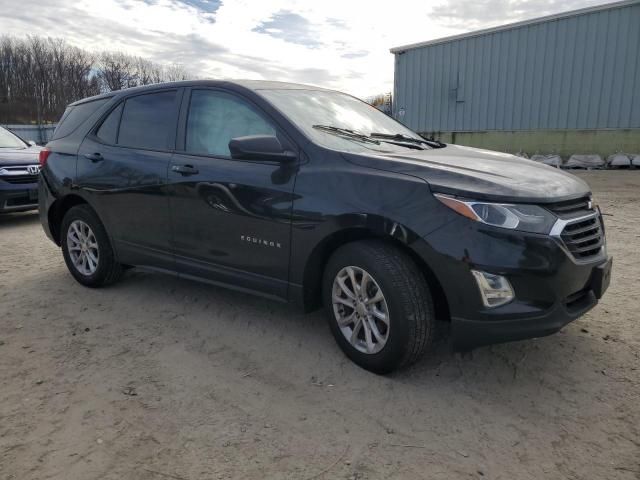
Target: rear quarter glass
column 108, row 131
column 75, row 115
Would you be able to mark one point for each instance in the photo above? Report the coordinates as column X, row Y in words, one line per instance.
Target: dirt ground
column 158, row 378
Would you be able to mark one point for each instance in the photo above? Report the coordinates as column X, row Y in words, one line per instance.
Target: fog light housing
column 495, row 290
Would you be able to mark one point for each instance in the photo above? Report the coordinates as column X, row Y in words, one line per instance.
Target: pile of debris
column 589, row 162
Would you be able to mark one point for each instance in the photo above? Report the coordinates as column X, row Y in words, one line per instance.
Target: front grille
column 20, row 174
column 19, row 179
column 583, row 238
column 20, row 202
column 571, row 207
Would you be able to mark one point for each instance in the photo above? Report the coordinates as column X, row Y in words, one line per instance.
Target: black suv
column 19, row 169
column 311, row 196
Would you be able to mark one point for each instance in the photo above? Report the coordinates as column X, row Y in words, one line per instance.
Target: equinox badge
column 260, row 241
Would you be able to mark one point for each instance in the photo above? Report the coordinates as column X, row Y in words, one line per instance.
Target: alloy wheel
column 360, row 308
column 83, row 247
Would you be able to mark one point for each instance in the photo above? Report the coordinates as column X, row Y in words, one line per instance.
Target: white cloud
column 339, row 44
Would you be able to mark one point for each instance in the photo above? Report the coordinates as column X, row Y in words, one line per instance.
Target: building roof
column 510, row 26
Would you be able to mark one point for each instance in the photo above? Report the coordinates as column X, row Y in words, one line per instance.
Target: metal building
column 567, row 83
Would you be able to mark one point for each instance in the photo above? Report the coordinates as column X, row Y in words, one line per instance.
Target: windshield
column 310, row 109
column 9, row 140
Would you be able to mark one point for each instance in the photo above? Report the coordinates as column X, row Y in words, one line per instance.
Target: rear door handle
column 185, row 169
column 94, row 157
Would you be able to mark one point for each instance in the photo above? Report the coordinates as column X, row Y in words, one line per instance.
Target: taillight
column 43, row 156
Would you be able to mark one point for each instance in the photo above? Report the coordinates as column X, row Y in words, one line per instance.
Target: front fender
column 336, row 202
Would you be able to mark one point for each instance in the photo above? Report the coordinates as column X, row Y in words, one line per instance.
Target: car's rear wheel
column 379, row 305
column 86, row 248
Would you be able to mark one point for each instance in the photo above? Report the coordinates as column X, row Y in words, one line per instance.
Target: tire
column 408, row 333
column 106, row 269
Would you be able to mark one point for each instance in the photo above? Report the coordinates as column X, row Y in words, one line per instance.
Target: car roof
column 248, row 84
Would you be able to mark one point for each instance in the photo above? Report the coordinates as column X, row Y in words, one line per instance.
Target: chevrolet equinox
column 311, row 196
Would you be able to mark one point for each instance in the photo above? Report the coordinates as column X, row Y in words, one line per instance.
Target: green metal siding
column 577, row 72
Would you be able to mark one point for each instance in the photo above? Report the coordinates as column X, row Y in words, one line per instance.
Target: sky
column 340, row 44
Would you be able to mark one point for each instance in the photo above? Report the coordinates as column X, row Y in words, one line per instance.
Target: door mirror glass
column 32, row 143
column 259, row 147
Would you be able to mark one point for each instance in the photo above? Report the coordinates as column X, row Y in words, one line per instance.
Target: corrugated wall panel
column 577, row 72
column 631, row 110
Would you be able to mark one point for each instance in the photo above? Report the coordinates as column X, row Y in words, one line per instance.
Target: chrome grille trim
column 21, row 174
column 18, row 170
column 582, row 237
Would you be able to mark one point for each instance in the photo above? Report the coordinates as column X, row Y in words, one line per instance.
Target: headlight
column 527, row 218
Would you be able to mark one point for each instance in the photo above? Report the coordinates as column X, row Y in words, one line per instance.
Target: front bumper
column 551, row 287
column 18, row 197
column 468, row 333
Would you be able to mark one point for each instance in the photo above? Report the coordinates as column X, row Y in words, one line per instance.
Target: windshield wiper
column 404, row 138
column 397, row 139
column 345, row 132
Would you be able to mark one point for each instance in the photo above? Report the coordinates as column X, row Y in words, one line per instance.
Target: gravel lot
column 158, row 378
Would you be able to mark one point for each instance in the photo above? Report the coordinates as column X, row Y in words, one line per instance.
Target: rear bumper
column 18, row 198
column 45, row 201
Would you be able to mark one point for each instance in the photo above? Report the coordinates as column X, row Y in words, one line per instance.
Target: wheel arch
column 394, row 234
column 58, row 210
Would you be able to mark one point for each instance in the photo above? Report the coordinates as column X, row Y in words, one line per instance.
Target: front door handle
column 185, row 169
column 94, row 157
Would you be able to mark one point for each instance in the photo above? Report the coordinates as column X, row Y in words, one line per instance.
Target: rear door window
column 108, row 131
column 75, row 115
column 147, row 120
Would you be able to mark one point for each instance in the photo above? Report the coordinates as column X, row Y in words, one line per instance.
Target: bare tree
column 39, row 76
column 175, row 73
column 116, row 71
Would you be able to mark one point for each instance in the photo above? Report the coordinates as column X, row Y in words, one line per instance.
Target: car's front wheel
column 86, row 248
column 379, row 305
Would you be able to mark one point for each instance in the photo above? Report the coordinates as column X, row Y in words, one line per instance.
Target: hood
column 19, row 156
column 481, row 174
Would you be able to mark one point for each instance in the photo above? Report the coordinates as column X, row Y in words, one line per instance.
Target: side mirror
column 259, row 147
column 32, row 143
